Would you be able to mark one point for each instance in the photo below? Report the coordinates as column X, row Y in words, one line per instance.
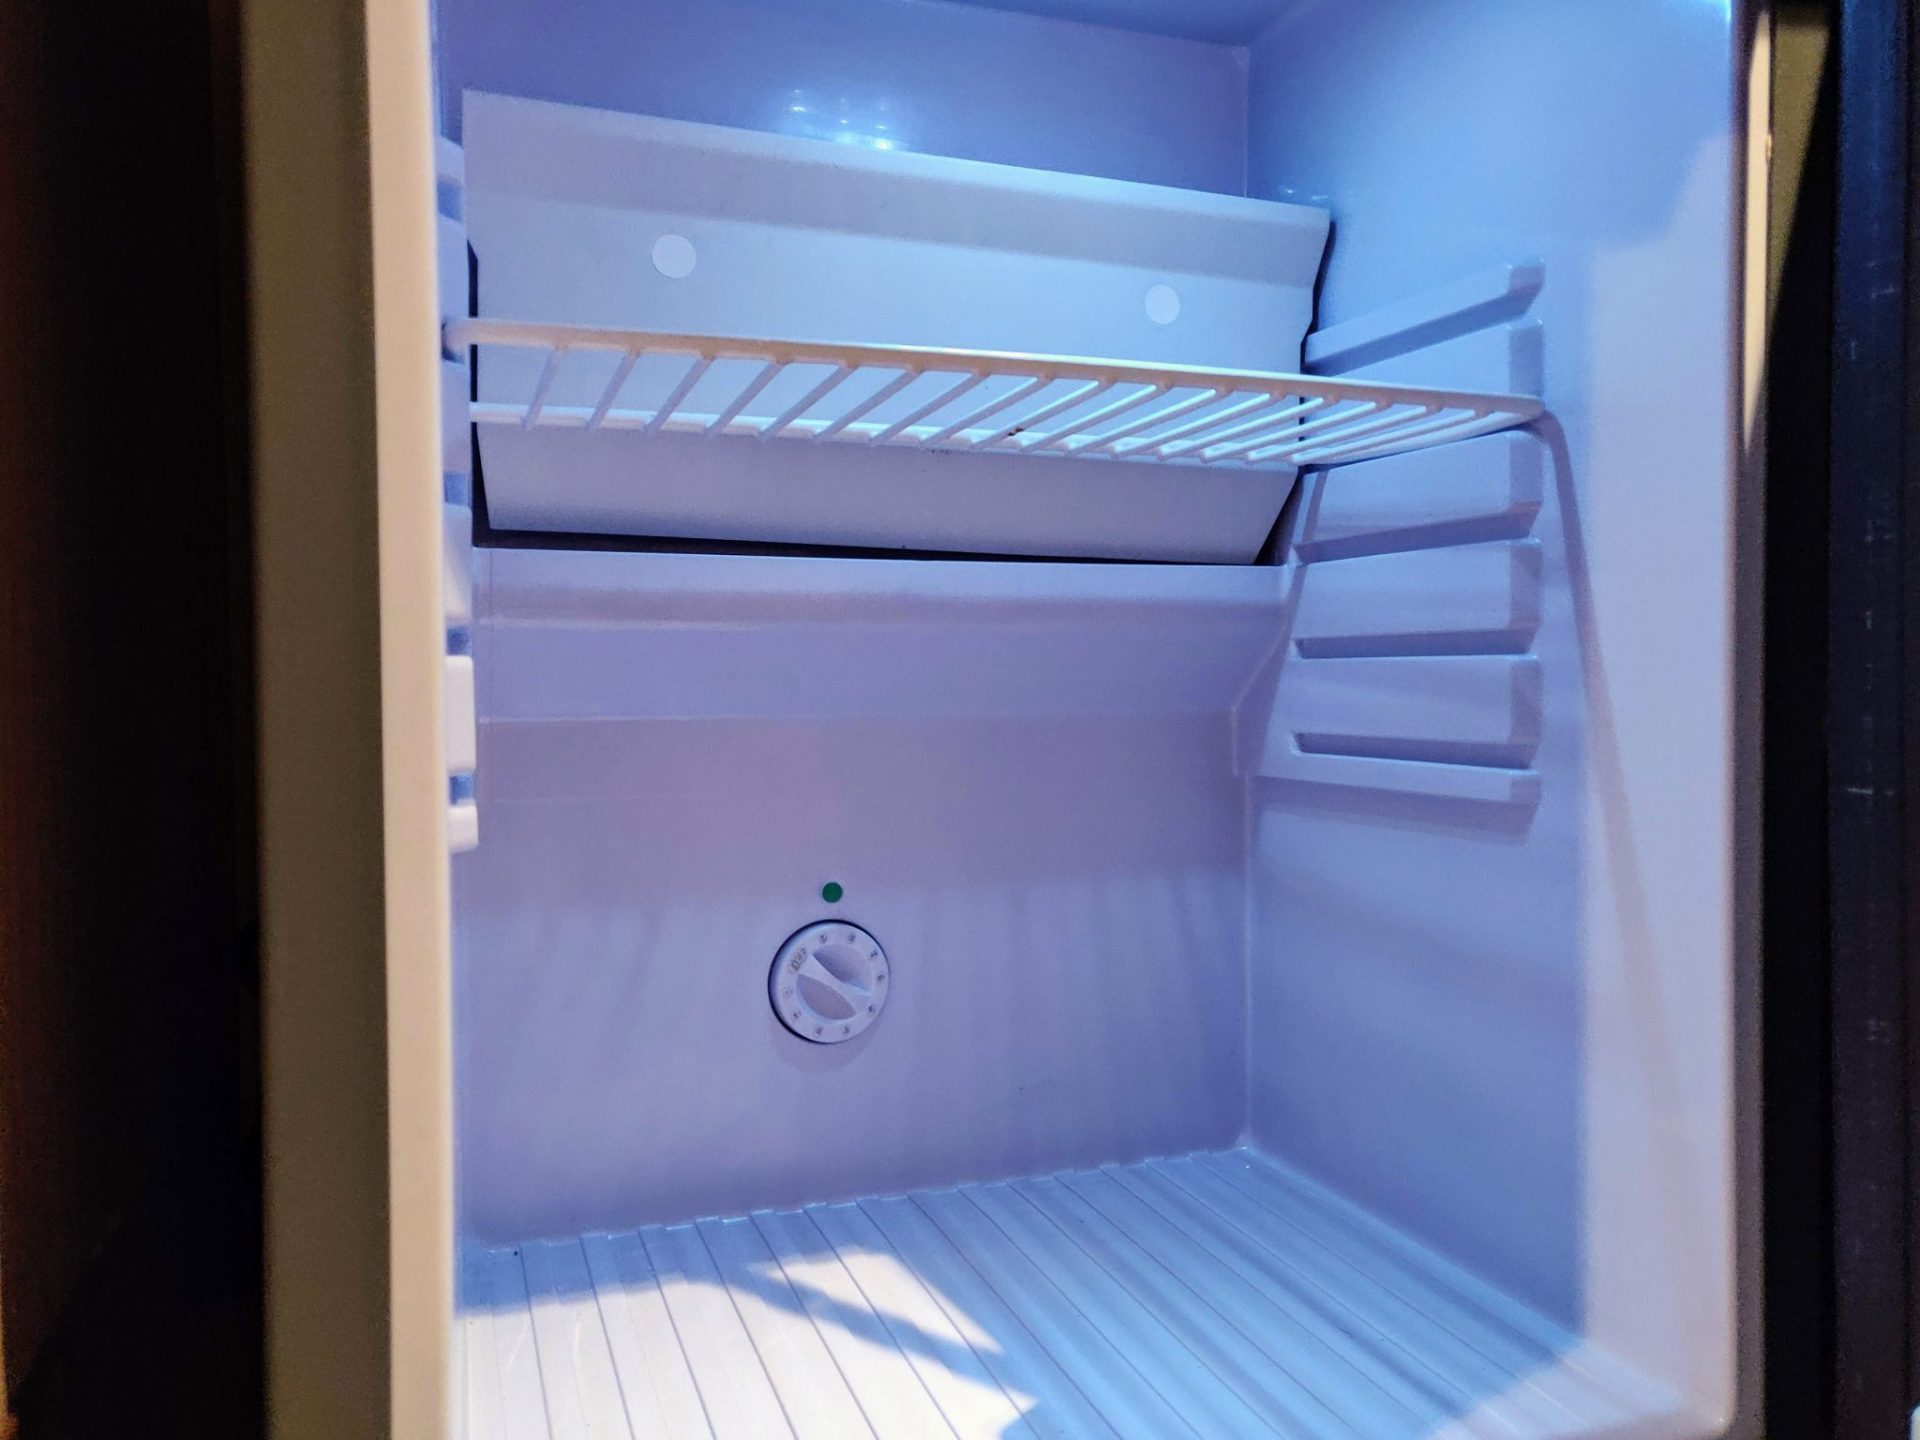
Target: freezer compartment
column 704, row 332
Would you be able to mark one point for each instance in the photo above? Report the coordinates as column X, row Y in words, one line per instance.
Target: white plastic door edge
column 412, row 661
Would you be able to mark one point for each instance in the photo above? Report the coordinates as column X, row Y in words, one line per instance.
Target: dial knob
column 829, row 982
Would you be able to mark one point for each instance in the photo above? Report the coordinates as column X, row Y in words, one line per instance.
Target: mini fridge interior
column 1096, row 717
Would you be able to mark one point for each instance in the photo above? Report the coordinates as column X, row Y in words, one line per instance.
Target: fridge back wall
column 1019, row 780
column 936, row 79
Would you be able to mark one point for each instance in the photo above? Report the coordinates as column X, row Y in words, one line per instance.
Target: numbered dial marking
column 829, row 982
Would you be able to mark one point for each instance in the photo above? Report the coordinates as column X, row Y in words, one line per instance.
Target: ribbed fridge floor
column 1219, row 1295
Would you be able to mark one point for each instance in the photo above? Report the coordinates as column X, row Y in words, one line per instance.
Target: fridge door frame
column 1842, row 726
column 356, row 945
column 350, row 643
column 1872, row 706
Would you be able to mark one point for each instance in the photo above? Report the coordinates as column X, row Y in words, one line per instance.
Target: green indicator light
column 831, row 892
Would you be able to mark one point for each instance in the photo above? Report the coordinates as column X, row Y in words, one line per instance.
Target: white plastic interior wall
column 1314, row 980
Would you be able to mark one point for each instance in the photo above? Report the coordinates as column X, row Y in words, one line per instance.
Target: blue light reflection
column 844, row 118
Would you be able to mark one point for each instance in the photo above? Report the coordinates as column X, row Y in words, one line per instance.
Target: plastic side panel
column 456, row 566
column 932, row 79
column 1426, row 320
column 1061, row 901
column 456, row 513
column 739, row 489
column 1487, row 489
column 607, row 219
column 607, row 587
column 610, row 635
column 1224, row 22
column 1508, row 1027
column 421, row 693
column 796, row 238
column 456, row 449
column 985, row 666
column 458, row 715
column 1018, row 774
column 1425, row 708
column 1402, row 667
column 1462, row 600
column 1508, row 357
column 451, row 259
column 1460, row 727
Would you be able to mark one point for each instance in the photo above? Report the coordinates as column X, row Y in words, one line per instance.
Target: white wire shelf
column 589, row 378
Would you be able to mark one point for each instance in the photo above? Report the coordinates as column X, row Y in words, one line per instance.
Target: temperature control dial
column 829, row 982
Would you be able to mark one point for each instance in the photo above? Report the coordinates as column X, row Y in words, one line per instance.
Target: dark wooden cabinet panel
column 128, row 975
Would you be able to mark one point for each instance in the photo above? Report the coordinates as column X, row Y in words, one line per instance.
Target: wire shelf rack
column 590, row 378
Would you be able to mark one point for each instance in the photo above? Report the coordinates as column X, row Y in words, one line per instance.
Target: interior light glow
column 864, row 120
